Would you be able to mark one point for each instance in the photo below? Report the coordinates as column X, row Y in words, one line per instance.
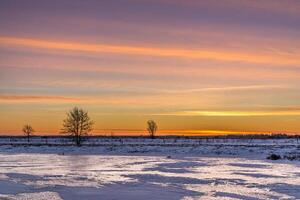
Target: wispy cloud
column 281, row 112
column 35, row 99
column 271, row 6
column 213, row 54
column 230, row 88
column 86, row 100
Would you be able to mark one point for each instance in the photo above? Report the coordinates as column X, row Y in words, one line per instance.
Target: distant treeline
column 240, row 136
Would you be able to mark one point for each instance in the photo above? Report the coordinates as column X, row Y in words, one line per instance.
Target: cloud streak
column 288, row 112
column 36, row 99
column 213, row 54
column 229, row 88
column 273, row 6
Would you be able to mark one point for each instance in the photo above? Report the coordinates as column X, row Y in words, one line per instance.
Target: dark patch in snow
column 11, row 187
column 234, row 196
column 183, row 164
column 23, row 176
column 171, row 180
column 258, row 175
column 284, row 188
column 176, row 167
column 168, row 170
column 224, row 181
column 248, row 165
column 132, row 191
column 141, row 163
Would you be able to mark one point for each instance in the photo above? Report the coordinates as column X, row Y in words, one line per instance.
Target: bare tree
column 152, row 127
column 28, row 131
column 77, row 124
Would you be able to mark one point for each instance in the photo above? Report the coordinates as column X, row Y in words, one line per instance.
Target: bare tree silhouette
column 152, row 127
column 77, row 124
column 28, row 131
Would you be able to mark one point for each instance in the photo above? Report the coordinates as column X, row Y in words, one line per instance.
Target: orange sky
column 195, row 67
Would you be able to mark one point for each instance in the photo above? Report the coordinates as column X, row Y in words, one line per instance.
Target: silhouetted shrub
column 274, row 157
column 292, row 157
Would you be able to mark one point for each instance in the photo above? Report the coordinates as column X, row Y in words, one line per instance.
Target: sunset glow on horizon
column 194, row 67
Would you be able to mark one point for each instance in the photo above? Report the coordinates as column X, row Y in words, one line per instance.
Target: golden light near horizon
column 199, row 68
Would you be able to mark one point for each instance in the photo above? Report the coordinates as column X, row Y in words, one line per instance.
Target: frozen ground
column 148, row 172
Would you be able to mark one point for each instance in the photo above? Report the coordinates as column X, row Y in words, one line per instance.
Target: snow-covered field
column 149, row 172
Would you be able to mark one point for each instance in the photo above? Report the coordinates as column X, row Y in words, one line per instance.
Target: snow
column 206, row 171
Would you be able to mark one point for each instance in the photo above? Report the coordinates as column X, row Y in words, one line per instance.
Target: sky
column 195, row 67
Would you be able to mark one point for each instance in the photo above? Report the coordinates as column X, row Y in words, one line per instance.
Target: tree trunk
column 78, row 140
column 152, row 135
